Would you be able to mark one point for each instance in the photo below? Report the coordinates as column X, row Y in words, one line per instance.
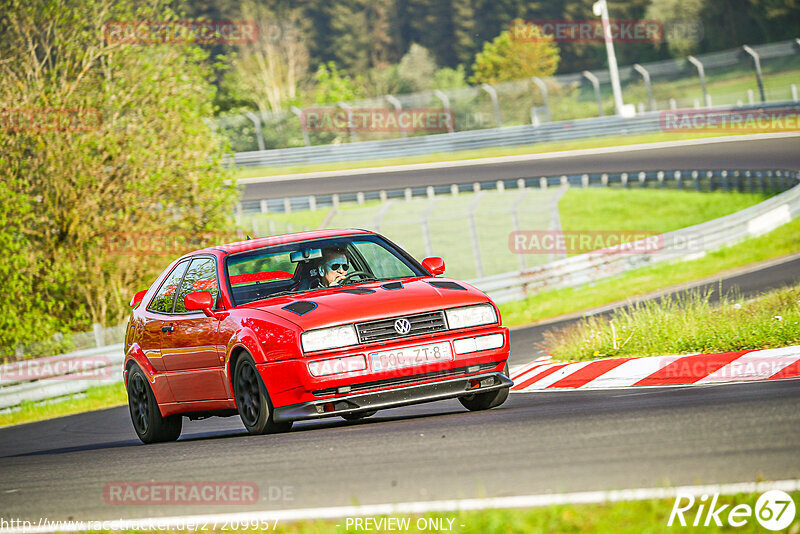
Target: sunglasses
column 337, row 266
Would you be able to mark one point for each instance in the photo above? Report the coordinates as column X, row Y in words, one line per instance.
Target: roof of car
column 250, row 244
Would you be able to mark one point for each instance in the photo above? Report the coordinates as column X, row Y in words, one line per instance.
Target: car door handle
column 168, row 328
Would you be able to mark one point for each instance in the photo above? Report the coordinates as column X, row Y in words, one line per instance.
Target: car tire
column 485, row 401
column 359, row 415
column 149, row 424
column 252, row 399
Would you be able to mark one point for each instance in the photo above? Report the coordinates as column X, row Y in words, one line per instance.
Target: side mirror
column 137, row 298
column 200, row 300
column 433, row 265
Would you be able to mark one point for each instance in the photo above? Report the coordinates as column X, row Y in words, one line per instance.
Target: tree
column 271, row 68
column 332, row 85
column 416, row 68
column 528, row 53
column 679, row 17
column 114, row 143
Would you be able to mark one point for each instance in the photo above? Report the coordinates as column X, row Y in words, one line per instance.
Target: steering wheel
column 350, row 276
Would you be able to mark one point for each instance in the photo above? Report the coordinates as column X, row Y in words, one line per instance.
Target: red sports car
column 305, row 326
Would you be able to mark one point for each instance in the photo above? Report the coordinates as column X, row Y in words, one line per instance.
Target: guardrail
column 67, row 374
column 58, row 376
column 649, row 122
column 591, row 267
column 535, row 100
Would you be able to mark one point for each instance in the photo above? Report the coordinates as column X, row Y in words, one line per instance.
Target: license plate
column 411, row 356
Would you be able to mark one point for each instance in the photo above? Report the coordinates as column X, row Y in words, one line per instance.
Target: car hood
column 336, row 306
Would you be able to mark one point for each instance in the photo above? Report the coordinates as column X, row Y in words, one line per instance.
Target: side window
column 201, row 276
column 382, row 262
column 165, row 296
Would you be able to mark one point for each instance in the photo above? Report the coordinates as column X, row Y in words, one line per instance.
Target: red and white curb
column 697, row 369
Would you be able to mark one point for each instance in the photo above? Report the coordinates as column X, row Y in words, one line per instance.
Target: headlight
column 471, row 316
column 328, row 338
column 337, row 365
column 474, row 344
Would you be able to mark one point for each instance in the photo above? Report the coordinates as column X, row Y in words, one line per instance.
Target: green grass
column 632, row 517
column 650, row 210
column 96, row 398
column 547, row 304
column 251, row 172
column 687, row 323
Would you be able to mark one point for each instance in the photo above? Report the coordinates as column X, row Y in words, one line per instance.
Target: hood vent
column 392, row 285
column 357, row 290
column 444, row 284
column 301, row 307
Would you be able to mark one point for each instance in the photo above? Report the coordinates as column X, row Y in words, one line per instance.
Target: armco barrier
column 590, row 267
column 649, row 122
column 57, row 376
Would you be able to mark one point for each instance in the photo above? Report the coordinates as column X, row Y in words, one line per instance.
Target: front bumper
column 392, row 398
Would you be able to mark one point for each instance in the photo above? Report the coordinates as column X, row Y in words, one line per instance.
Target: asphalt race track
column 764, row 153
column 559, row 442
column 535, row 443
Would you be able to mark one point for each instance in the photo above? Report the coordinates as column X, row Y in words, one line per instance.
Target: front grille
column 383, row 329
column 402, row 380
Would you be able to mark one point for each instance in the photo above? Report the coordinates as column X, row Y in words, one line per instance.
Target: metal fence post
column 398, row 107
column 303, row 126
column 596, row 84
column 701, row 71
column 545, row 98
column 257, row 123
column 381, row 214
column 495, row 104
column 515, row 223
column 757, row 63
column 646, row 76
column 349, row 111
column 446, row 104
column 97, row 328
column 426, row 231
column 473, row 234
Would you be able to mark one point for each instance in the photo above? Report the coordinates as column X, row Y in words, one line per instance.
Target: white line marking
column 552, row 378
column 756, row 365
column 630, row 372
column 422, row 507
column 514, row 159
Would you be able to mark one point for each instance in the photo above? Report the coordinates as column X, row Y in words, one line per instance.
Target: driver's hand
column 338, row 277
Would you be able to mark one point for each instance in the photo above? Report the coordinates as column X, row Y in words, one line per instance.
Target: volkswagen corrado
column 305, row 326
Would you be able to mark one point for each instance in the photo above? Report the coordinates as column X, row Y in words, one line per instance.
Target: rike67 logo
column 774, row 510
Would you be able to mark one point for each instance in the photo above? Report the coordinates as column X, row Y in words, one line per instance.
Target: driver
column 332, row 267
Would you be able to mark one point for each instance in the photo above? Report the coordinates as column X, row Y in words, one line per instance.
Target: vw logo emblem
column 402, row 326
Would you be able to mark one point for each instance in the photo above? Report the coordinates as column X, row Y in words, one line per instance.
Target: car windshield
column 315, row 265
